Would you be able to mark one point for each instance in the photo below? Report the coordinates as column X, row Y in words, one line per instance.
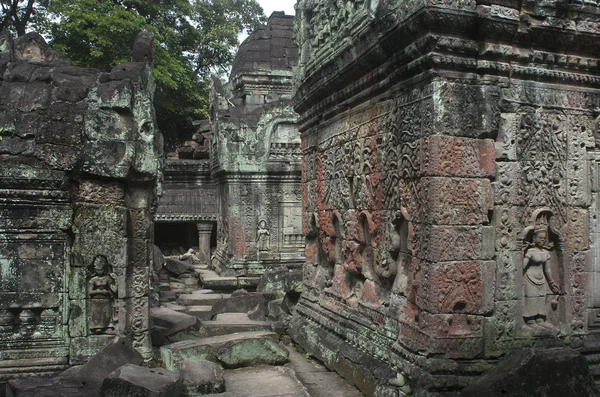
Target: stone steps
column 202, row 313
column 227, row 335
column 200, row 299
column 231, row 323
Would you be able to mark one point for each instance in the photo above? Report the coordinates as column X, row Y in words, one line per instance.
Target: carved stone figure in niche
column 102, row 292
column 537, row 275
column 262, row 236
column 400, row 254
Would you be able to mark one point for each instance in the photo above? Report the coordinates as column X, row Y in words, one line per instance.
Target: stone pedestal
column 204, row 233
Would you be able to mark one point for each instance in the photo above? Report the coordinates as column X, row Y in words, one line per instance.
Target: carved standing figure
column 262, row 236
column 102, row 292
column 536, row 276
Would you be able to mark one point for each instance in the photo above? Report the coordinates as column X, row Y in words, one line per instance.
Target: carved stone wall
column 80, row 163
column 256, row 157
column 449, row 159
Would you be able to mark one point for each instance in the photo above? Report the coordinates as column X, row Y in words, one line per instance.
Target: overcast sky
column 278, row 5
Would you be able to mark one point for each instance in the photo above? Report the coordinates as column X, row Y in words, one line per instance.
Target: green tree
column 193, row 39
column 17, row 15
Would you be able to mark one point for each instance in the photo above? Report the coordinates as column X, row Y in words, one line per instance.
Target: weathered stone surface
column 73, row 175
column 251, row 353
column 115, row 354
column 46, row 387
column 245, row 303
column 202, row 377
column 178, row 267
column 447, row 205
column 227, row 323
column 263, row 382
column 173, row 321
column 530, row 372
column 133, row 380
column 210, row 348
column 280, row 281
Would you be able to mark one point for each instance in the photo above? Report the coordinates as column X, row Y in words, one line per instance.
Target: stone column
column 204, row 233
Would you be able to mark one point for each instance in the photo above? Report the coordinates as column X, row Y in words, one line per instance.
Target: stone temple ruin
column 243, row 191
column 432, row 166
column 80, row 159
column 450, row 162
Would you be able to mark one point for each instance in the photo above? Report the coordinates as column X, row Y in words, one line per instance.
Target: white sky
column 278, row 5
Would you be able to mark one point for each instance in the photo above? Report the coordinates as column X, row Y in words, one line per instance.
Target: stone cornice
column 443, row 38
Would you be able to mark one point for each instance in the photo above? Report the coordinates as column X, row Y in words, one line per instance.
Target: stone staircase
column 217, row 320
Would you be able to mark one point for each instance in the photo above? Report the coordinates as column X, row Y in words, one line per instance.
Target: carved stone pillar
column 204, row 234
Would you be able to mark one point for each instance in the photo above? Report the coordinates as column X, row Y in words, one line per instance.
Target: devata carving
column 262, row 236
column 537, row 273
column 102, row 294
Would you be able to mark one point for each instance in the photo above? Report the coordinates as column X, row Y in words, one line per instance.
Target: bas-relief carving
column 537, row 273
column 263, row 236
column 102, row 298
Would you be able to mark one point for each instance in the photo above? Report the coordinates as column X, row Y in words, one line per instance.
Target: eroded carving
column 263, row 235
column 102, row 294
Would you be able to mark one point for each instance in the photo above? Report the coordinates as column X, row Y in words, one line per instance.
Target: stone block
column 106, row 125
column 108, row 158
column 450, row 243
column 202, row 377
column 453, row 201
column 133, row 380
column 172, row 321
column 551, row 372
column 457, row 287
column 115, row 354
column 116, row 95
column 465, row 110
column 225, row 345
column 249, row 302
column 280, row 281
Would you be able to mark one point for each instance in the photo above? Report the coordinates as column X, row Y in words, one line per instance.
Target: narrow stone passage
column 223, row 323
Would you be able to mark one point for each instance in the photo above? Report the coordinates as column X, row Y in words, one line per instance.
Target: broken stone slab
column 263, row 344
column 202, row 377
column 198, row 299
column 133, row 380
column 178, row 267
column 202, row 313
column 550, row 373
column 173, row 321
column 117, row 352
column 228, row 323
column 252, row 352
column 243, row 303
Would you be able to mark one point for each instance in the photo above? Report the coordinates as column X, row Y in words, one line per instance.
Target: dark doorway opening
column 177, row 237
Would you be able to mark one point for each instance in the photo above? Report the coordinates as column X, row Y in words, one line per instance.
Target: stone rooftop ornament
column 450, row 190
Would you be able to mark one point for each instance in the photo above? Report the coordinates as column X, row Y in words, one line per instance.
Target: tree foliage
column 193, row 39
column 17, row 15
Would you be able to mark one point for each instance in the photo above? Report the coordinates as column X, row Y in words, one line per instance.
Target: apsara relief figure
column 262, row 236
column 537, row 276
column 102, row 294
